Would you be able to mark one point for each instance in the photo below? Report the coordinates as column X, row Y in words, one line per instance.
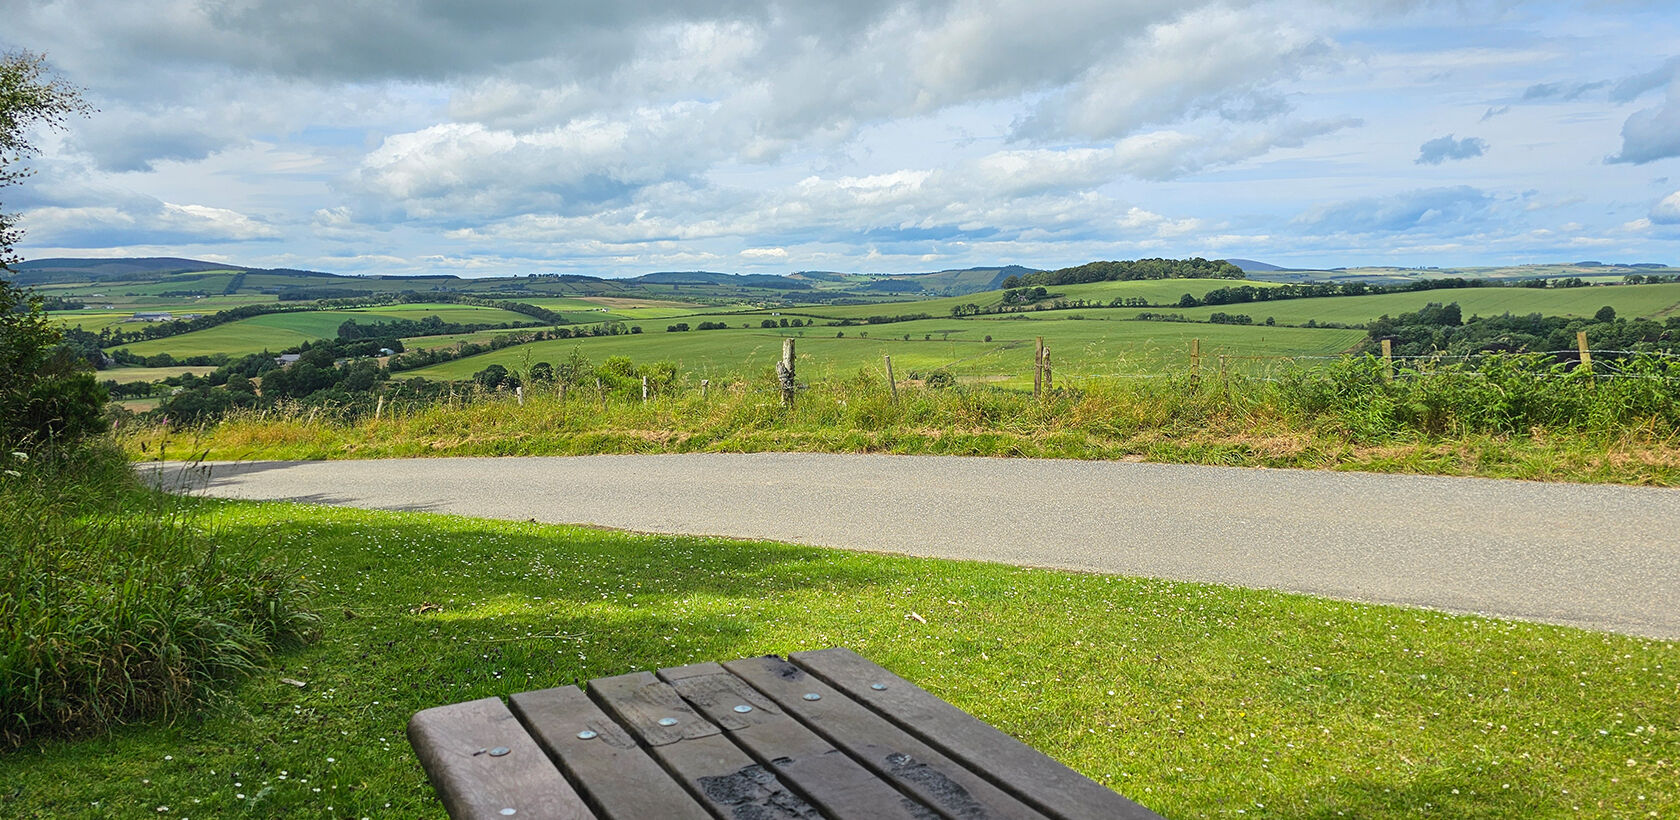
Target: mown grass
column 1515, row 418
column 118, row 605
column 1197, row 700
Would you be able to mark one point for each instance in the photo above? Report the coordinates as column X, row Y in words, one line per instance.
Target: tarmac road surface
column 1600, row 557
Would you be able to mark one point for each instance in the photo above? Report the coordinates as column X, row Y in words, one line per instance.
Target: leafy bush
column 114, row 605
column 46, row 394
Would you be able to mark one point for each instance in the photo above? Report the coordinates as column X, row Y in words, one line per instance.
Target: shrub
column 46, row 394
column 115, row 605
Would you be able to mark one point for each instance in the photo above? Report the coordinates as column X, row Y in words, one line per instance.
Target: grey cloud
column 1560, row 90
column 1441, row 149
column 1406, row 211
column 1652, row 133
column 1629, row 88
column 1494, row 111
column 137, row 148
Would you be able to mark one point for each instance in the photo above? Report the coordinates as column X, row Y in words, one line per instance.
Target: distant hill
column 1251, row 266
column 69, row 269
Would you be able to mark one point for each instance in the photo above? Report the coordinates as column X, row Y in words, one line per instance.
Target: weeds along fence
column 1360, row 398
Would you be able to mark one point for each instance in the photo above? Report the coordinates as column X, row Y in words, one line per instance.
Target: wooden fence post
column 1049, row 376
column 644, row 390
column 1195, row 357
column 519, row 394
column 784, row 372
column 1038, row 367
column 1586, row 355
column 892, row 383
column 379, row 409
column 705, row 388
column 1388, row 360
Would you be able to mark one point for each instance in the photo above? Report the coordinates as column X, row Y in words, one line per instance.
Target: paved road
column 1593, row 556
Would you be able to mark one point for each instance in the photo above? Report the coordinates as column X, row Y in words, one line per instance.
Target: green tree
column 46, row 393
column 29, row 96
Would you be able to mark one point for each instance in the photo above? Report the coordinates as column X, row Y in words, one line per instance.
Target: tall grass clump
column 115, row 604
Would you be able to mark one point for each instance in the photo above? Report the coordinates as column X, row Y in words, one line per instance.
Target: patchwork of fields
column 992, row 347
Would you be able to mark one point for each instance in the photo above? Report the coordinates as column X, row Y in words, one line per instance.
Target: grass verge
column 118, row 605
column 1197, row 700
column 1514, row 418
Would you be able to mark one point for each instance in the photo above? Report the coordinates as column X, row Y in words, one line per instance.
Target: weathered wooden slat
column 828, row 777
column 615, row 776
column 883, row 747
column 695, row 751
column 484, row 765
column 1024, row 771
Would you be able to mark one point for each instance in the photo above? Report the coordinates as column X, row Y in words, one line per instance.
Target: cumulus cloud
column 1406, row 211
column 1441, row 149
column 1653, row 133
column 1667, row 210
column 142, row 221
column 1213, row 59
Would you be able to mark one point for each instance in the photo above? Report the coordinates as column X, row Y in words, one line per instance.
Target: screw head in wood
column 667, row 721
column 509, row 812
column 812, row 696
column 743, row 708
column 586, row 734
column 499, row 751
column 879, row 687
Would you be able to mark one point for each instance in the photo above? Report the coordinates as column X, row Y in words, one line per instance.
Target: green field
column 1630, row 301
column 1157, row 291
column 124, row 375
column 1079, row 348
column 278, row 331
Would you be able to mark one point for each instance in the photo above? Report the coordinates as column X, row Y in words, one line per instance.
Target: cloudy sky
column 614, row 138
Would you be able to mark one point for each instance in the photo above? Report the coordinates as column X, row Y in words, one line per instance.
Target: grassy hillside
column 278, row 331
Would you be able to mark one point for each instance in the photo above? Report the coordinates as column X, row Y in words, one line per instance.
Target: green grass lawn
column 1196, row 700
column 1088, row 348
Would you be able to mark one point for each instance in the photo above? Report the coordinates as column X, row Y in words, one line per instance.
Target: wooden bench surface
column 824, row 734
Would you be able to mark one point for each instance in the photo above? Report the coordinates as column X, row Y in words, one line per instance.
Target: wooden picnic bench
column 825, row 734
